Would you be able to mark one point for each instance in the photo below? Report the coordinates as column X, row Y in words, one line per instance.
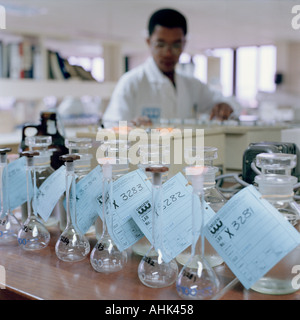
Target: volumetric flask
column 105, row 256
column 197, row 279
column 151, row 154
column 212, row 196
column 72, row 245
column 8, row 227
column 33, row 235
column 153, row 271
column 82, row 166
column 43, row 170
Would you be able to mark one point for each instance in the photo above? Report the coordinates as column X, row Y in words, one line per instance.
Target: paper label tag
column 49, row 193
column 176, row 216
column 250, row 235
column 17, row 183
column 129, row 191
column 88, row 190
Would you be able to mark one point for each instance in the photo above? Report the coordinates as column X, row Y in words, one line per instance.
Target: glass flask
column 197, row 279
column 43, row 170
column 153, row 271
column 72, row 245
column 212, row 196
column 117, row 150
column 82, row 167
column 278, row 189
column 151, row 154
column 105, row 256
column 33, row 235
column 9, row 225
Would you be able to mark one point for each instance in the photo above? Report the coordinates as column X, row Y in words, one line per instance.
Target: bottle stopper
column 157, row 171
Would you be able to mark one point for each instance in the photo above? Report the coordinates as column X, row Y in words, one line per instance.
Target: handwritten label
column 176, row 216
column 129, row 191
column 88, row 190
column 250, row 235
column 50, row 192
column 17, row 183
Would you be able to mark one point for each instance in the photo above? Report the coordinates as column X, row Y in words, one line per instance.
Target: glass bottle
column 212, row 196
column 72, row 245
column 278, row 189
column 105, row 256
column 8, row 227
column 151, row 154
column 197, row 279
column 50, row 125
column 153, row 271
column 33, row 235
column 82, row 167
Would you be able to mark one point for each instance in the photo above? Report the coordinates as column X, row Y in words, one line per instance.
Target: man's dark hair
column 168, row 18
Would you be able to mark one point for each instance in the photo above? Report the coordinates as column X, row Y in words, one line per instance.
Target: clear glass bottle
column 197, row 279
column 82, row 166
column 72, row 245
column 153, row 271
column 9, row 225
column 278, row 189
column 212, row 196
column 33, row 235
column 151, row 154
column 105, row 256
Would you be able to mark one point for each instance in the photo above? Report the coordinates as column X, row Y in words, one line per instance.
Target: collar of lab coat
column 153, row 72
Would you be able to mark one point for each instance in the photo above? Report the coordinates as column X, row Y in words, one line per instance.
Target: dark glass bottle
column 49, row 126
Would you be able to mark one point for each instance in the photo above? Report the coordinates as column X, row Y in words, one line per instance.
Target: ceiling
column 81, row 26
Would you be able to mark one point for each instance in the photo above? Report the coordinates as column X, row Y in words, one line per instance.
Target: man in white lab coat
column 155, row 90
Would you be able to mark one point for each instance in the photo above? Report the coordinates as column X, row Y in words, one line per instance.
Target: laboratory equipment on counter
column 33, row 235
column 197, row 279
column 276, row 186
column 153, row 271
column 9, row 225
column 72, row 245
column 105, row 256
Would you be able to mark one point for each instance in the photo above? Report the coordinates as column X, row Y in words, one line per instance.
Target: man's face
column 166, row 45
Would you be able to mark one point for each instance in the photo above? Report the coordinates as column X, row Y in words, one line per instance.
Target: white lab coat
column 145, row 90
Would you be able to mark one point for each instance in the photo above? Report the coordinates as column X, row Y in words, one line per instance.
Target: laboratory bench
column 40, row 275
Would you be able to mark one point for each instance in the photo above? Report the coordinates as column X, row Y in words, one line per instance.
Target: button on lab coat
column 145, row 90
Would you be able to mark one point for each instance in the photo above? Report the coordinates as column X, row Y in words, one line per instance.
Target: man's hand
column 221, row 111
column 142, row 121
